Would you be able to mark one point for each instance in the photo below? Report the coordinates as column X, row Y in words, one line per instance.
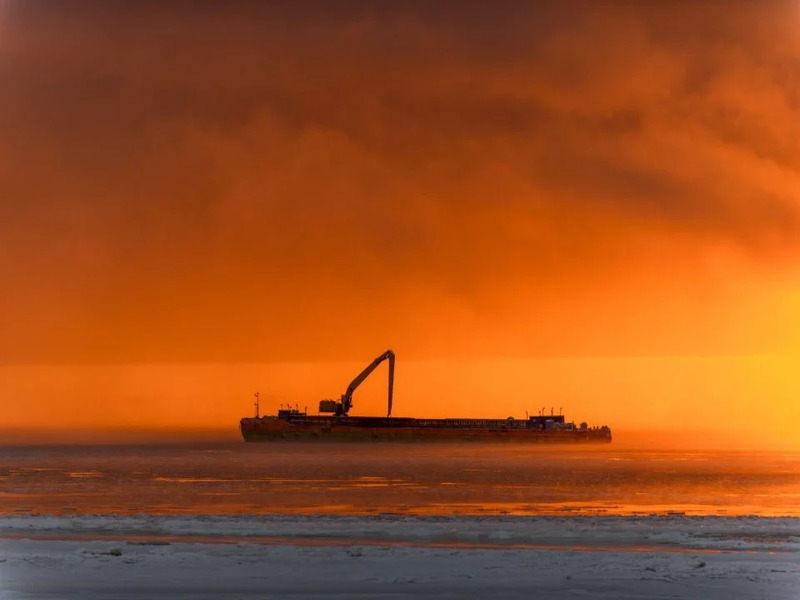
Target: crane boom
column 342, row 407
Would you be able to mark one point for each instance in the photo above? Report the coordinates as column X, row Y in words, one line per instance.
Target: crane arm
column 347, row 397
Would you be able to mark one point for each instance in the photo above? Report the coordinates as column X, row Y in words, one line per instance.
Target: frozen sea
column 311, row 520
column 411, row 479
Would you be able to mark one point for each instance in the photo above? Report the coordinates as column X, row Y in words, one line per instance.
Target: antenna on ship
column 560, row 410
column 256, row 404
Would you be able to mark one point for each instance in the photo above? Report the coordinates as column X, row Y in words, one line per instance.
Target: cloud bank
column 193, row 182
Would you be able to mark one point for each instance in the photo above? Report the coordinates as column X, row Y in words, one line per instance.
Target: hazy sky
column 317, row 181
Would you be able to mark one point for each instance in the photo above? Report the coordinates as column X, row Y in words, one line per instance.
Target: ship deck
column 299, row 426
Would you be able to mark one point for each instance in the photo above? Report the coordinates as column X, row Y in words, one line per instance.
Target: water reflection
column 402, row 479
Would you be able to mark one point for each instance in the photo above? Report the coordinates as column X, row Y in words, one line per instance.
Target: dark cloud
column 187, row 180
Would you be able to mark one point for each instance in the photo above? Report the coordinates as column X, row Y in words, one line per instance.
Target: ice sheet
column 678, row 531
column 283, row 556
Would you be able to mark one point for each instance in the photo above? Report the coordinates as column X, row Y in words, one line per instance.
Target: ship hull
column 372, row 429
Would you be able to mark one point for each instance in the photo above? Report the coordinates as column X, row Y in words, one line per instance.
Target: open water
column 413, row 479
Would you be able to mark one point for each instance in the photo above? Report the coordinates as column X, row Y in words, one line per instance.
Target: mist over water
column 396, row 478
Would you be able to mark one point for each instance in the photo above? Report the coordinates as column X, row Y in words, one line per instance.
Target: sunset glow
column 530, row 209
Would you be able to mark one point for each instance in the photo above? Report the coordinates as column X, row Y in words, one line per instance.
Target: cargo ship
column 336, row 424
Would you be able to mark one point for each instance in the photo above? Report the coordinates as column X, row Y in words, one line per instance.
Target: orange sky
column 597, row 203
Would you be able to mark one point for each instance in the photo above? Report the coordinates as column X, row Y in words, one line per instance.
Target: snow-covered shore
column 286, row 556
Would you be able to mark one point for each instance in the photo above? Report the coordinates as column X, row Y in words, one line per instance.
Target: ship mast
column 256, row 404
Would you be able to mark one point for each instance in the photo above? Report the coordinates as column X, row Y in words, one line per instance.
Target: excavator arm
column 347, row 397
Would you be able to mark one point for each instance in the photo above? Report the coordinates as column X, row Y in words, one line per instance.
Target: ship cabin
column 285, row 413
column 545, row 422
